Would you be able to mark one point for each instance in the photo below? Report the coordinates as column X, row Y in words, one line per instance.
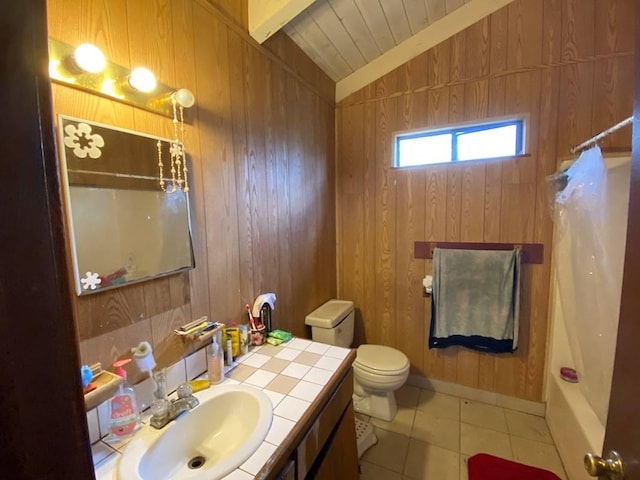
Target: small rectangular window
column 457, row 144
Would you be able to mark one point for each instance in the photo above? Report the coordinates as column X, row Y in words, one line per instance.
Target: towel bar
column 532, row 253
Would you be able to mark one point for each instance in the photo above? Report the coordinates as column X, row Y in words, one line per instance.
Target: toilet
column 377, row 370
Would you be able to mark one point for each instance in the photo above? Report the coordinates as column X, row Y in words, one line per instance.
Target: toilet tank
column 332, row 323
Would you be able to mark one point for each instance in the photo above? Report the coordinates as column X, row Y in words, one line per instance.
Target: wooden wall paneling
column 150, row 24
column 611, row 99
column 457, row 65
column 282, row 194
column 499, row 24
column 370, row 311
column 295, row 154
column 552, row 31
column 253, row 88
column 547, row 161
column 385, row 222
column 438, row 64
column 574, row 110
column 614, row 26
column 578, row 24
column 472, row 209
column 241, row 164
column 218, row 179
column 234, row 9
column 103, row 23
column 524, row 41
column 517, row 222
column 108, row 311
column 314, row 206
column 436, row 208
column 186, row 77
column 477, row 49
column 419, row 68
column 326, row 222
column 410, row 205
column 493, row 195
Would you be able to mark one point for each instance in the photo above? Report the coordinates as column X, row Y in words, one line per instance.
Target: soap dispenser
column 124, row 418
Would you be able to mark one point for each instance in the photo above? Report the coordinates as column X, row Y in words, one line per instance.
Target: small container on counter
column 244, row 339
column 258, row 335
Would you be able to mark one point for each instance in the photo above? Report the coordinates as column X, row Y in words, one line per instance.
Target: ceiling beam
column 429, row 37
column 266, row 17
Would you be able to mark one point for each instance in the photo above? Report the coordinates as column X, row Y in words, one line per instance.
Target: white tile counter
column 292, row 375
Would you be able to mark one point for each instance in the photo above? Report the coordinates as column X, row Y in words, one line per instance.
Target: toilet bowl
column 377, row 371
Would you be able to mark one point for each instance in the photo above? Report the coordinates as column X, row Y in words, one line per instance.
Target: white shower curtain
column 591, row 223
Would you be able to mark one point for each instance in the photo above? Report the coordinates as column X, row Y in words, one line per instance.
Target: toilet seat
column 381, row 360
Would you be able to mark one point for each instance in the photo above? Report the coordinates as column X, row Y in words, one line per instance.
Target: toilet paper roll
column 143, row 356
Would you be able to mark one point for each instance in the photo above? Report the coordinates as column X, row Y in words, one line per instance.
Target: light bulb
column 89, row 58
column 184, row 98
column 143, row 80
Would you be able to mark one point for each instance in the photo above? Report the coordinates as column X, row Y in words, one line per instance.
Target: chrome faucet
column 163, row 410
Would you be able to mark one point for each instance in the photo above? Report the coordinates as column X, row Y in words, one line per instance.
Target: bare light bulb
column 89, row 58
column 184, row 98
column 143, row 80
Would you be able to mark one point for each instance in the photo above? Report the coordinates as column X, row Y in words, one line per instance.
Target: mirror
column 124, row 227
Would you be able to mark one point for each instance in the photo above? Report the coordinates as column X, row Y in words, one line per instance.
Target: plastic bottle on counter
column 229, row 352
column 124, row 417
column 215, row 362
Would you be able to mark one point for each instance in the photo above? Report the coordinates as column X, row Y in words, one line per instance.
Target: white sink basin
column 220, row 434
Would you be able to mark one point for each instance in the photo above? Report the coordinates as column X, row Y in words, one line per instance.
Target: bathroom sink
column 207, row 442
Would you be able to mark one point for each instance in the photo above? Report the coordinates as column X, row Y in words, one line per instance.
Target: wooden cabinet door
column 341, row 457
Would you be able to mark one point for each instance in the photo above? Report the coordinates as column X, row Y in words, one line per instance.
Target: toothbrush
column 251, row 322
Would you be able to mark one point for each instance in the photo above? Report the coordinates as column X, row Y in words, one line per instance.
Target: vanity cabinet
column 325, row 445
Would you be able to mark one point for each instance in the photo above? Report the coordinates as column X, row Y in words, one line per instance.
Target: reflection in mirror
column 124, row 228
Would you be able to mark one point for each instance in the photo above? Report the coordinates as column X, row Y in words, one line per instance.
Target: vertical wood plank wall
column 568, row 66
column 261, row 163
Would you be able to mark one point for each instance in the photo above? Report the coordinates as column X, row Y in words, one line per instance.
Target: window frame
column 455, row 131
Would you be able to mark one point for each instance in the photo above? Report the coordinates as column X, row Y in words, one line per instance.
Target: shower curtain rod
column 600, row 136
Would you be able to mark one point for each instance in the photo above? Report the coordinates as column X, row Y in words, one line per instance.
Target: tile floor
column 434, row 434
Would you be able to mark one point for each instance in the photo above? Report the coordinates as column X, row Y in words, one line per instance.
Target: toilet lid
column 381, row 358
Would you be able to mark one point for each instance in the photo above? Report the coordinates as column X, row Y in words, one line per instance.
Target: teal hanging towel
column 476, row 299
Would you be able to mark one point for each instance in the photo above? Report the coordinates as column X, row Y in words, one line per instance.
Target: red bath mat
column 488, row 467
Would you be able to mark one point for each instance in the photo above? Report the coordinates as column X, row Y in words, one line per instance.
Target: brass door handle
column 610, row 466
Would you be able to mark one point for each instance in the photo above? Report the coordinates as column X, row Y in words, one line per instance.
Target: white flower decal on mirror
column 83, row 141
column 91, row 281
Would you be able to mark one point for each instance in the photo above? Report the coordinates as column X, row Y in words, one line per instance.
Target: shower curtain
column 590, row 216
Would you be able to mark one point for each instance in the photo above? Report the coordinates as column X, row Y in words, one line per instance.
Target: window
column 457, row 144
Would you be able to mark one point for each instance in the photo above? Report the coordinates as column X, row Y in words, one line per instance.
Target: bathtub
column 574, row 425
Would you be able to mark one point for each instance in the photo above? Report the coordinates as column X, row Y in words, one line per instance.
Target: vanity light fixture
column 89, row 58
column 86, row 68
column 143, row 80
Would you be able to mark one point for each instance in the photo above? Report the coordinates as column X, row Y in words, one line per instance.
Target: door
column 623, row 423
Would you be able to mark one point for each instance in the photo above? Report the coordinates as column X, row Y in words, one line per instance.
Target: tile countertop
column 298, row 378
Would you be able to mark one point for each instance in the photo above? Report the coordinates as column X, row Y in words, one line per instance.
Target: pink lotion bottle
column 124, row 417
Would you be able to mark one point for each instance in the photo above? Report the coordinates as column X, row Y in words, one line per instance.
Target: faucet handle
column 185, row 391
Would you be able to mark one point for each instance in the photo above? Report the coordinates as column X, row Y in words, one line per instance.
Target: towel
column 476, row 299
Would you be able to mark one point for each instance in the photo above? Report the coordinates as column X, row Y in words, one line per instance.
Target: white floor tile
column 483, row 415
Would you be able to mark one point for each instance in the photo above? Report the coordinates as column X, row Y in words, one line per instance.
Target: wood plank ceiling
column 342, row 36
